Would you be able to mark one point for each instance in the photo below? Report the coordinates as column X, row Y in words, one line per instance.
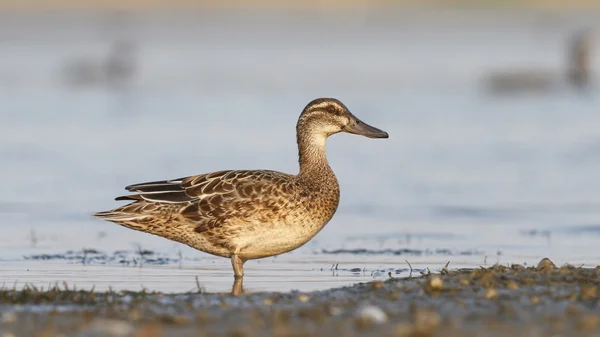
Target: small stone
column 435, row 282
column 564, row 270
column 546, row 265
column 335, row 311
column 512, row 285
column 464, row 282
column 517, row 267
column 303, row 298
column 376, row 284
column 535, row 300
column 488, row 280
column 588, row 292
column 426, row 322
column 491, row 293
column 267, row 301
column 528, row 281
column 111, row 327
column 371, row 314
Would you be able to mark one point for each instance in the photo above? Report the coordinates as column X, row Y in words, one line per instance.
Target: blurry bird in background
column 577, row 74
column 116, row 70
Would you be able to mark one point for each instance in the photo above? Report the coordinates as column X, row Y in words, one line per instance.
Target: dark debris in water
column 404, row 251
column 124, row 257
column 372, row 272
column 536, row 233
column 512, row 300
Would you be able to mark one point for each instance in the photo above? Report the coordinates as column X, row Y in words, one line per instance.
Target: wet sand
column 496, row 301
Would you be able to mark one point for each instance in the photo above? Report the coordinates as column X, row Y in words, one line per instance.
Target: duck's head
column 327, row 116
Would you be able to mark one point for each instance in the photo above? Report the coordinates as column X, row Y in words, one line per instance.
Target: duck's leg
column 238, row 272
column 238, row 266
column 238, row 286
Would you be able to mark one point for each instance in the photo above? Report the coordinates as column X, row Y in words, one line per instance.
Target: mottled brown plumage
column 249, row 214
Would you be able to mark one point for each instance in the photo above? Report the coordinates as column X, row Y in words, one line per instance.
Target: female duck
column 249, row 214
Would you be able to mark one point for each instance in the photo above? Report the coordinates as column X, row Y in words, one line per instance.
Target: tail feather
column 119, row 216
column 139, row 214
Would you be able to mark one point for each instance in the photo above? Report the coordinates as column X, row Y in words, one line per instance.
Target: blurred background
column 492, row 109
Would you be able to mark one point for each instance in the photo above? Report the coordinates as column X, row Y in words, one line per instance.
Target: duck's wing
column 239, row 184
column 211, row 200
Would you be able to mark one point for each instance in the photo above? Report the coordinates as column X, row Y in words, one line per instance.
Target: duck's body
column 252, row 214
column 248, row 214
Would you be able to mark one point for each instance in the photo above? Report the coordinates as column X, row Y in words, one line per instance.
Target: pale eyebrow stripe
column 325, row 104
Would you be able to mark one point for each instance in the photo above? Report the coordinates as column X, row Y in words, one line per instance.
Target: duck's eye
column 331, row 109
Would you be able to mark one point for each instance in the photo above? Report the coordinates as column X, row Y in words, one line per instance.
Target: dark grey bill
column 359, row 127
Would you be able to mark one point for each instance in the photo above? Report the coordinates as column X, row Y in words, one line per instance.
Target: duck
column 578, row 73
column 117, row 69
column 249, row 214
column 580, row 55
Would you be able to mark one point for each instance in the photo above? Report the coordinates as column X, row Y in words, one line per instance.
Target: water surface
column 466, row 177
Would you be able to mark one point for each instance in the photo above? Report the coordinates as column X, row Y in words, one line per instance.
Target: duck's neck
column 312, row 156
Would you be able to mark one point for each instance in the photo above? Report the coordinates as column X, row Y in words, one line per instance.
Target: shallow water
column 466, row 177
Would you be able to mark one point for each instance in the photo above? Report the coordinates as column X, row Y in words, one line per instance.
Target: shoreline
column 495, row 301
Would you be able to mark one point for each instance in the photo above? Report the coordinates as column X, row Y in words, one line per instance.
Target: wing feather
column 210, row 200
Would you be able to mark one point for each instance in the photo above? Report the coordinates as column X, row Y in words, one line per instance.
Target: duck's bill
column 361, row 128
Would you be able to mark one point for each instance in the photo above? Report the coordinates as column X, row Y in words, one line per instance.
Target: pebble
column 371, row 314
column 491, row 293
column 546, row 265
column 435, row 282
column 512, row 285
column 303, row 298
column 111, row 327
column 588, row 292
column 376, row 284
column 517, row 267
column 335, row 311
column 426, row 322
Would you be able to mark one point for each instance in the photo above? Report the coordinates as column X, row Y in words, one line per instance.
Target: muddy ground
column 497, row 301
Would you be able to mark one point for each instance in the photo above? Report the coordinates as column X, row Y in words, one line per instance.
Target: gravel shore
column 497, row 301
